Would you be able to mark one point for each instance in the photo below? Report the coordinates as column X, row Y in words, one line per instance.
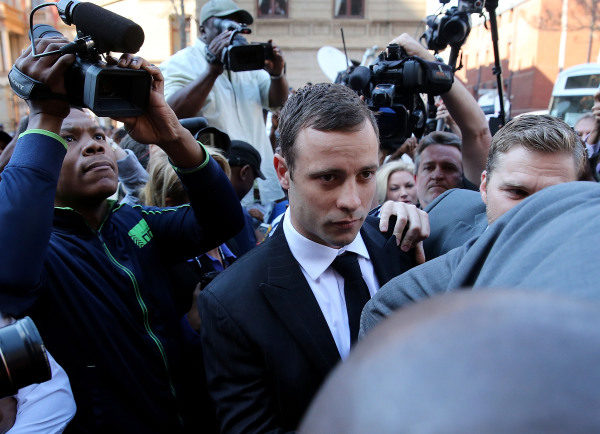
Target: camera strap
column 27, row 88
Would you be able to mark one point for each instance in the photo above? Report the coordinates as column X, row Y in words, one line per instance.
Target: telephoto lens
column 23, row 355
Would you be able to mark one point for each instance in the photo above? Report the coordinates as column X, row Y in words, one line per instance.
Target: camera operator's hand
column 159, row 125
column 407, row 215
column 413, row 47
column 50, row 70
column 216, row 47
column 275, row 66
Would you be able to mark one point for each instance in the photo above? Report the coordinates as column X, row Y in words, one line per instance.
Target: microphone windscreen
column 110, row 31
column 359, row 78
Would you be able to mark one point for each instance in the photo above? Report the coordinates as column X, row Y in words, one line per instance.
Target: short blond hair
column 537, row 133
column 383, row 175
column 164, row 183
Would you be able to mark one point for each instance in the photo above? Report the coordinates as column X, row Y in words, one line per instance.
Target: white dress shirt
column 326, row 284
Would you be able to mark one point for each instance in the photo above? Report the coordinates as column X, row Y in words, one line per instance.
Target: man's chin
column 342, row 236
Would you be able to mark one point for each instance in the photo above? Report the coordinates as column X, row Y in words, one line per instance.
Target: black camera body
column 453, row 27
column 107, row 90
column 24, row 357
column 241, row 55
column 392, row 87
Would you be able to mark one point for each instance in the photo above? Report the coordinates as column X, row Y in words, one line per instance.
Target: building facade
column 537, row 40
column 13, row 38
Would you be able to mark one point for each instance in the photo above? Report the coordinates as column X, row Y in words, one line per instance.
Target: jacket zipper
column 142, row 304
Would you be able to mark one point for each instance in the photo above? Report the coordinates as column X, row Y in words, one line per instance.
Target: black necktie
column 356, row 291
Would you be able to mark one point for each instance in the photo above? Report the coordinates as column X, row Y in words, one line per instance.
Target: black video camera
column 24, row 357
column 241, row 55
column 392, row 87
column 107, row 90
column 453, row 27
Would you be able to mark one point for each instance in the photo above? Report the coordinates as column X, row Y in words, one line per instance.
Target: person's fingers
column 419, row 253
column 384, row 215
column 125, row 60
column 414, row 229
column 425, row 228
column 401, row 222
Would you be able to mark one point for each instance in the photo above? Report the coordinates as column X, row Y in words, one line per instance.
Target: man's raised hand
column 408, row 216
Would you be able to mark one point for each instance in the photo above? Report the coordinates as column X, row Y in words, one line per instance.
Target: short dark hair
column 436, row 138
column 536, row 133
column 324, row 107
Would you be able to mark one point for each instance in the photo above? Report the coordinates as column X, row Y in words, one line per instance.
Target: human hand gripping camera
column 158, row 124
column 53, row 74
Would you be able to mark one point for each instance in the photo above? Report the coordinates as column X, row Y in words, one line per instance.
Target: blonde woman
column 396, row 181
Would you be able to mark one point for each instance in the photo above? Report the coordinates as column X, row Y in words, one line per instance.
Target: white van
column 573, row 93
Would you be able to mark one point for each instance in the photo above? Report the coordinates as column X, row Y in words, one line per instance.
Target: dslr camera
column 107, row 90
column 241, row 55
column 453, row 27
column 392, row 87
column 24, row 358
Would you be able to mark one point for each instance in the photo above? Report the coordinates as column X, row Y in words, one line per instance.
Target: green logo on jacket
column 141, row 233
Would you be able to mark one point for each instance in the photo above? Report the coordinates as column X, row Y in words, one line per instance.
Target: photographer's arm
column 465, row 111
column 159, row 125
column 29, row 181
column 476, row 136
column 278, row 90
column 207, row 186
column 187, row 101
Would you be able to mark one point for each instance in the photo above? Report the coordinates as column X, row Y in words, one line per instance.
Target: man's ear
column 246, row 172
column 483, row 186
column 282, row 170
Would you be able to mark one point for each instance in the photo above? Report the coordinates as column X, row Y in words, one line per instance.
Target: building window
column 272, row 8
column 176, row 42
column 349, row 8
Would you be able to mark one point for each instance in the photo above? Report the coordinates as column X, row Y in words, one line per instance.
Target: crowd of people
column 212, row 275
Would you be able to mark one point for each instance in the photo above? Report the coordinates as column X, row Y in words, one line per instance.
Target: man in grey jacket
column 529, row 154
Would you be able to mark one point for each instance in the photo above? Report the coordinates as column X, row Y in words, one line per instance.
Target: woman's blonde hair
column 164, row 185
column 383, row 175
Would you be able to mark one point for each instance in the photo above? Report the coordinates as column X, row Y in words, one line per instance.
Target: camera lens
column 23, row 357
column 455, row 30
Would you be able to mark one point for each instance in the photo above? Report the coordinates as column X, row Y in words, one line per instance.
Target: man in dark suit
column 278, row 320
column 527, row 155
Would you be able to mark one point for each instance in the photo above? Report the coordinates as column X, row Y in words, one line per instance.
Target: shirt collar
column 313, row 257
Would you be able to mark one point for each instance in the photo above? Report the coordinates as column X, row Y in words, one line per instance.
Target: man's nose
column 349, row 198
column 93, row 147
column 437, row 173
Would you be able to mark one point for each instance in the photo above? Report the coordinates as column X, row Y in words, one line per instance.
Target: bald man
column 438, row 367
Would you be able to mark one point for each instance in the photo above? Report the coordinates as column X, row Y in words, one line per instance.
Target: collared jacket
column 101, row 298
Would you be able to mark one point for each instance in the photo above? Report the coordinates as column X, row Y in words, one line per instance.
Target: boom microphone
column 110, row 31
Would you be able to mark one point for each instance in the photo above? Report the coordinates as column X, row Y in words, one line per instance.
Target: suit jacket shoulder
column 455, row 217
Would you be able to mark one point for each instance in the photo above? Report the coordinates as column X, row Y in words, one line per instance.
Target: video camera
column 24, row 357
column 241, row 55
column 107, row 90
column 392, row 87
column 453, row 27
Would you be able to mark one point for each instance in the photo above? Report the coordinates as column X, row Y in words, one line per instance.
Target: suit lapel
column 387, row 258
column 290, row 296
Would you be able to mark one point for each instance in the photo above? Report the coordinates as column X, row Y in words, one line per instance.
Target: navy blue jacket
column 101, row 298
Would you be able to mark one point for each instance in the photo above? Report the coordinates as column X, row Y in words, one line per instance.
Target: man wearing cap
column 244, row 161
column 195, row 85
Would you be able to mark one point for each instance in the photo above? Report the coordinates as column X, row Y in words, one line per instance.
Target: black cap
column 242, row 153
